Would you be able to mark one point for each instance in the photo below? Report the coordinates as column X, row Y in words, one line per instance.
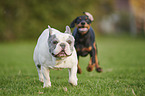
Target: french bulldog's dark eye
column 55, row 42
column 69, row 42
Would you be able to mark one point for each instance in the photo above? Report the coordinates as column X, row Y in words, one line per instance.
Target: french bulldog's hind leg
column 41, row 79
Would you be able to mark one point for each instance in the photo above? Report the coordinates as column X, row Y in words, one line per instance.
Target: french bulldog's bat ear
column 72, row 25
column 50, row 30
column 68, row 30
column 89, row 15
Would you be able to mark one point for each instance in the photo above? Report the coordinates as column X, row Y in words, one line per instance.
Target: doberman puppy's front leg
column 79, row 71
column 93, row 60
column 98, row 68
column 90, row 66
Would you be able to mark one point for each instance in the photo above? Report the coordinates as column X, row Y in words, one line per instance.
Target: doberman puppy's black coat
column 85, row 41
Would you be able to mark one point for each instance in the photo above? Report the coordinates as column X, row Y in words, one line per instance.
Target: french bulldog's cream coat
column 55, row 50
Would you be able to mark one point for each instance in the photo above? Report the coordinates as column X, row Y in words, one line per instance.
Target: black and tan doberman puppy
column 85, row 41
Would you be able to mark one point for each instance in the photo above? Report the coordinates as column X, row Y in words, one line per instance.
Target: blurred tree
column 26, row 19
column 138, row 8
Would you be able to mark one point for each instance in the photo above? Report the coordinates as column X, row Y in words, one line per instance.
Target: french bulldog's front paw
column 46, row 85
column 41, row 79
column 73, row 82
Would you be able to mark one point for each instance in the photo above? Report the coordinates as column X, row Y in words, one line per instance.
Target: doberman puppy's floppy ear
column 72, row 25
column 89, row 15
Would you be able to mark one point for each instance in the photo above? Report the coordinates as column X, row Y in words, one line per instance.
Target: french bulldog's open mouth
column 82, row 28
column 61, row 54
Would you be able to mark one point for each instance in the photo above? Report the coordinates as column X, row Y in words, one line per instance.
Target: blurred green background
column 26, row 19
column 121, row 55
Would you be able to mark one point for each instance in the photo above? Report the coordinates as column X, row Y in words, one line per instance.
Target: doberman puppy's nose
column 83, row 22
column 62, row 45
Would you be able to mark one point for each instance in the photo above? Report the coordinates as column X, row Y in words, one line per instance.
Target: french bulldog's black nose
column 62, row 45
column 83, row 23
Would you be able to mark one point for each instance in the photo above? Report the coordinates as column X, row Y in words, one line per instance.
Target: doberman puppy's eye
column 78, row 21
column 86, row 18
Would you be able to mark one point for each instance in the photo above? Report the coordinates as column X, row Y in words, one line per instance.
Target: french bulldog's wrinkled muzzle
column 60, row 45
column 63, row 52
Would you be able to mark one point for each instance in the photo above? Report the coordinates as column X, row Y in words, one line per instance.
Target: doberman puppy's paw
column 90, row 68
column 79, row 71
column 99, row 69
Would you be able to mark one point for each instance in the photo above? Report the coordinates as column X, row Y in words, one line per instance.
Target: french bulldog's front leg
column 73, row 75
column 45, row 72
column 40, row 73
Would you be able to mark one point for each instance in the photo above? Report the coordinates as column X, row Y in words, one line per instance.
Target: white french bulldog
column 55, row 50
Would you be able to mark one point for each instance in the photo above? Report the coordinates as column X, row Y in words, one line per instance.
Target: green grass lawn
column 122, row 60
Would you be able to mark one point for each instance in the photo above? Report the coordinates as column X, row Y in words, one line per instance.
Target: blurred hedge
column 26, row 19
